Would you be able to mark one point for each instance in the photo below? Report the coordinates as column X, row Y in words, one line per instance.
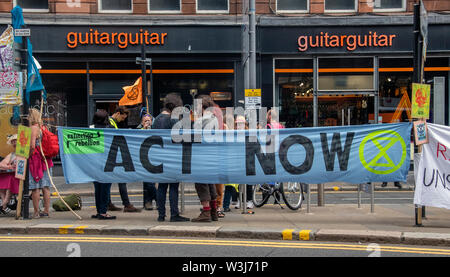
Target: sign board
column 21, row 165
column 420, row 132
column 420, row 105
column 22, row 32
column 253, row 98
column 23, row 141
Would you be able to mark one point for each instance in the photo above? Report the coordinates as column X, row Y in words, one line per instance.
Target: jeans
column 173, row 199
column 102, row 196
column 230, row 194
column 123, row 194
column 149, row 192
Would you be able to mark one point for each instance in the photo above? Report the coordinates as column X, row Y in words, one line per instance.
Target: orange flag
column 133, row 94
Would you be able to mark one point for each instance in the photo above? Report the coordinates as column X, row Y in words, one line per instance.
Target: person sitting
column 9, row 185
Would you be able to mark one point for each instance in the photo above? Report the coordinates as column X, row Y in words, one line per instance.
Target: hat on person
column 10, row 138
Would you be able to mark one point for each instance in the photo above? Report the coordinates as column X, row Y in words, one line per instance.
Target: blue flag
column 17, row 21
column 34, row 81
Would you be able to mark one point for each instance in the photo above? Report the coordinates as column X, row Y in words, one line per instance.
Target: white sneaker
column 237, row 204
column 250, row 205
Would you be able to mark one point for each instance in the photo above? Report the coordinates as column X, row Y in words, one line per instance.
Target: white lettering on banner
column 433, row 173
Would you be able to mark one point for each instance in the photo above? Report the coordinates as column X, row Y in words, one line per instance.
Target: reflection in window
column 115, row 5
column 165, row 5
column 212, row 5
column 341, row 5
column 33, row 4
column 290, row 5
column 389, row 4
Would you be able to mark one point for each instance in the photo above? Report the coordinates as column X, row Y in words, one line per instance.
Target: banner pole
column 359, row 196
column 308, row 202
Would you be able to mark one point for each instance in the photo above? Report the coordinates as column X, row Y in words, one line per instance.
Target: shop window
column 32, row 5
column 164, row 5
column 340, row 6
column 395, row 80
column 346, row 74
column 215, row 6
column 292, row 5
column 294, row 88
column 117, row 6
column 389, row 5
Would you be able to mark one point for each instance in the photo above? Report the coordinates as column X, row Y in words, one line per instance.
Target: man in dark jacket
column 164, row 121
column 119, row 116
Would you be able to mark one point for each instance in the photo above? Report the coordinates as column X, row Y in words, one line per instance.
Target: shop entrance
column 340, row 110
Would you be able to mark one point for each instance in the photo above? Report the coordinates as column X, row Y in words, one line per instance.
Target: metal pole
column 26, row 190
column 359, row 196
column 372, row 198
column 143, row 72
column 182, row 200
column 376, row 99
column 320, row 190
column 244, row 199
column 416, row 78
column 348, row 116
column 252, row 33
column 308, row 200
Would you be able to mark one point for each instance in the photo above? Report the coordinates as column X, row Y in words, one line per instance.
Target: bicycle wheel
column 292, row 193
column 261, row 193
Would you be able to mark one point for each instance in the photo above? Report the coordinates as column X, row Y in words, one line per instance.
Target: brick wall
column 189, row 6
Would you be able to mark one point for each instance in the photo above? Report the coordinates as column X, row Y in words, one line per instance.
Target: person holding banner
column 9, row 185
column 206, row 192
column 149, row 189
column 164, row 121
column 102, row 190
column 119, row 116
column 40, row 176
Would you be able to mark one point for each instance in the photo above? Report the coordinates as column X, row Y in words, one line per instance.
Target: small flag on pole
column 133, row 94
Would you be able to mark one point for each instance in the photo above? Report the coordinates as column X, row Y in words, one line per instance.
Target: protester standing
column 9, row 185
column 164, row 121
column 102, row 190
column 149, row 189
column 40, row 176
column 206, row 192
column 120, row 115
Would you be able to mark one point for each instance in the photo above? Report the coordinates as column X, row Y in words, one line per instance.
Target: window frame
column 293, row 11
column 402, row 9
column 163, row 11
column 100, row 10
column 33, row 10
column 340, row 11
column 212, row 11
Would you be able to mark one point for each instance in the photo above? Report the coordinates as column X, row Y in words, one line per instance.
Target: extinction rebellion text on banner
column 433, row 172
column 353, row 154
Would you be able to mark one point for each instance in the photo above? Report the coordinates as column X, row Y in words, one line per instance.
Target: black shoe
column 95, row 215
column 179, row 218
column 105, row 217
column 161, row 218
column 384, row 184
column 397, row 184
column 227, row 210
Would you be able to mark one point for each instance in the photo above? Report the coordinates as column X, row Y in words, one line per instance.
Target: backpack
column 49, row 143
column 73, row 200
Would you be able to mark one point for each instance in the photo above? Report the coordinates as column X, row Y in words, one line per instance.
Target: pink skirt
column 9, row 181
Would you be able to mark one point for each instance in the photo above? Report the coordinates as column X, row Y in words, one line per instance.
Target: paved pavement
column 390, row 223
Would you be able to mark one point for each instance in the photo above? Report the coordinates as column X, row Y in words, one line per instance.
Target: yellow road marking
column 304, row 234
column 80, row 229
column 64, row 229
column 287, row 234
column 292, row 244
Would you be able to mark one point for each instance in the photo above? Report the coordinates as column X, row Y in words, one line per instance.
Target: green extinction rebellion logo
column 83, row 141
column 384, row 159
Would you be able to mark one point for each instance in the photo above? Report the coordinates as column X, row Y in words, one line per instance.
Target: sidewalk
column 391, row 223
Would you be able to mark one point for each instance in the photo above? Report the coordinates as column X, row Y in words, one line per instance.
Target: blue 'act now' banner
column 353, row 154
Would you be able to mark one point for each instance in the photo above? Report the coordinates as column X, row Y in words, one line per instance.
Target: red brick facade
column 188, row 7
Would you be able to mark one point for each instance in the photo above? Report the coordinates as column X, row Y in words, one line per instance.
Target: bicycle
column 291, row 192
